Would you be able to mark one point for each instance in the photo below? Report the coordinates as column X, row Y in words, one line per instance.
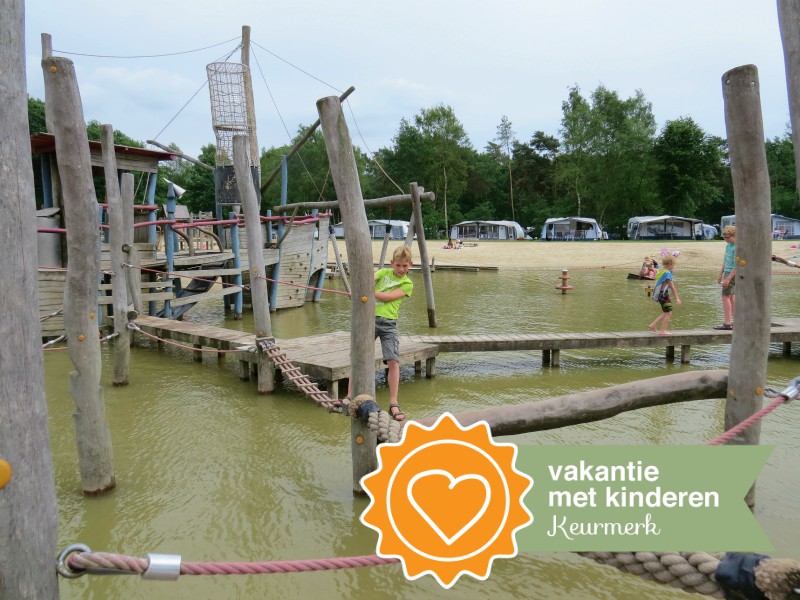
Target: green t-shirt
column 386, row 281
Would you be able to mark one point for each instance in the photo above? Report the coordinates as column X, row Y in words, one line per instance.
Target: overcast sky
column 484, row 59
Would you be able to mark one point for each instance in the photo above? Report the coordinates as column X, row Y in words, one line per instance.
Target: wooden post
column 416, row 207
column 344, row 173
column 751, row 190
column 80, row 295
column 255, row 254
column 119, row 281
column 789, row 22
column 28, row 501
column 133, row 275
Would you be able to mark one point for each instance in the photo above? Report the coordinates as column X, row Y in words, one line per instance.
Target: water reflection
column 209, row 469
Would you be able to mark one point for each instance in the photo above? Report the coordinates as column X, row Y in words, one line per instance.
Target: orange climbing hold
column 5, row 473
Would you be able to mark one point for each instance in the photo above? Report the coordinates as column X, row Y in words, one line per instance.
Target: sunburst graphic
column 447, row 500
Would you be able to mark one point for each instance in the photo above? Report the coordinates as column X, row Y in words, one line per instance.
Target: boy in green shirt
column 392, row 286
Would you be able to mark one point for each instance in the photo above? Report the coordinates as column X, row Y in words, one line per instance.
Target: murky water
column 208, row 469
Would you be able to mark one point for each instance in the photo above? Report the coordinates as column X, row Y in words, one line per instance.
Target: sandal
column 397, row 416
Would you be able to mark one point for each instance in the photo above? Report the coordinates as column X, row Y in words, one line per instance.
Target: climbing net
column 230, row 86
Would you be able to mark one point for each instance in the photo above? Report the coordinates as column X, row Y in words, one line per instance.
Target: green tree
column 433, row 150
column 36, row 120
column 505, row 139
column 686, row 163
column 782, row 175
column 606, row 162
column 535, row 169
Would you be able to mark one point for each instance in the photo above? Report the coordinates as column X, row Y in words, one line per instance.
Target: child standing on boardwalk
column 663, row 291
column 392, row 286
column 727, row 277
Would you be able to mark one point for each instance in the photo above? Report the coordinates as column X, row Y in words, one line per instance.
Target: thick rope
column 108, row 563
column 51, row 315
column 297, row 377
column 688, row 571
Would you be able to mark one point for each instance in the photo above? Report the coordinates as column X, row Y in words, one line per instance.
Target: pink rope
column 88, row 562
column 754, row 418
column 300, row 285
column 168, row 274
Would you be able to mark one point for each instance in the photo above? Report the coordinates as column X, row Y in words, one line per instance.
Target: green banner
column 649, row 498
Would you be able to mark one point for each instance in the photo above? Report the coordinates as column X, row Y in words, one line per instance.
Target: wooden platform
column 325, row 356
column 783, row 331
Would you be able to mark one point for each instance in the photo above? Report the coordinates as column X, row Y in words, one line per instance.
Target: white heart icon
column 453, row 482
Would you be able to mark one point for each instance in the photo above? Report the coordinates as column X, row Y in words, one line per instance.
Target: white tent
column 487, row 230
column 781, row 227
column 571, row 228
column 665, row 227
column 377, row 229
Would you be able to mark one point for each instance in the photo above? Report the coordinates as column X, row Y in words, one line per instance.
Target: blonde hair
column 402, row 253
column 668, row 261
column 729, row 230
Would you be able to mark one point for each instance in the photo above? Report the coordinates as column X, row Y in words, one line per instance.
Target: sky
column 516, row 58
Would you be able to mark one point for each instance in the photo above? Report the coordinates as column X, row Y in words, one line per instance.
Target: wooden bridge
column 327, row 356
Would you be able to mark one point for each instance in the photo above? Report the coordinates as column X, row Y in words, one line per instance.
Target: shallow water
column 208, row 469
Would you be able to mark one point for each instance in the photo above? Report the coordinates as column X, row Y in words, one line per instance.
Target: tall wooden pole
column 789, row 21
column 28, row 499
column 133, row 275
column 344, row 173
column 750, row 346
column 425, row 264
column 80, row 295
column 119, row 279
column 255, row 254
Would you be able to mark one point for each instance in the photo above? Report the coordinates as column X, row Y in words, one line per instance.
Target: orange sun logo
column 446, row 500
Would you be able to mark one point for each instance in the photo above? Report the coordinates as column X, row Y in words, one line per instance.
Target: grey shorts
column 386, row 330
column 730, row 289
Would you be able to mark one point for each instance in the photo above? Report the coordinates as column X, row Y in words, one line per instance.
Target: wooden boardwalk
column 327, row 356
column 783, row 331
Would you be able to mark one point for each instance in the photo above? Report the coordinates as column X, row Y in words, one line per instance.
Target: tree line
column 608, row 161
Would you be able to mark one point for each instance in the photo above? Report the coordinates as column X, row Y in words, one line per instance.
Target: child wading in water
column 663, row 291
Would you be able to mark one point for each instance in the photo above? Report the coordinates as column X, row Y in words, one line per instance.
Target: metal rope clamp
column 163, row 567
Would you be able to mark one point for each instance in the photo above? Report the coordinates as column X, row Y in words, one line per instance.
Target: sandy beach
column 623, row 255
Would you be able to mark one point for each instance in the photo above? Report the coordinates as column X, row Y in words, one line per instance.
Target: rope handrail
column 307, row 287
column 182, row 276
column 77, row 560
column 137, row 329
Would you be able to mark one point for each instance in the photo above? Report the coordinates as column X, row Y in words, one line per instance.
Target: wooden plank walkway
column 783, row 331
column 327, row 356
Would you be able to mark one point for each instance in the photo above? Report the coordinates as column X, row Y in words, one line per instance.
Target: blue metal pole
column 169, row 244
column 47, row 181
column 238, row 297
column 152, row 234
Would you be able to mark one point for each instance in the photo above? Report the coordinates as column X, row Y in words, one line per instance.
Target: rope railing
column 306, row 287
column 137, row 329
column 55, row 313
column 182, row 275
column 77, row 560
column 61, row 338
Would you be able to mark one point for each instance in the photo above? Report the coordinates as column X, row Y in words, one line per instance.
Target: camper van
column 487, row 230
column 572, row 228
column 664, row 227
column 780, row 226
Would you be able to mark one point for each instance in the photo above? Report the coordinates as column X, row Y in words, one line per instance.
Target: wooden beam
column 62, row 97
column 28, row 517
column 751, row 193
column 596, row 405
column 373, row 203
